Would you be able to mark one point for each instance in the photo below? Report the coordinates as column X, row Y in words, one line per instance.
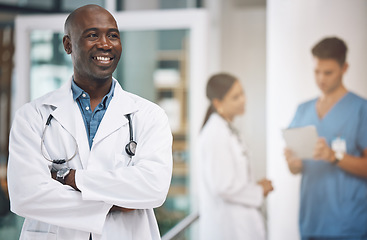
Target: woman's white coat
column 56, row 211
column 229, row 198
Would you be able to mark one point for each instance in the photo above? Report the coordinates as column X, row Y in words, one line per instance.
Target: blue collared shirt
column 91, row 119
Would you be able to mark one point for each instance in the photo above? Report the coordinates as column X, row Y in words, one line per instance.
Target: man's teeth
column 103, row 58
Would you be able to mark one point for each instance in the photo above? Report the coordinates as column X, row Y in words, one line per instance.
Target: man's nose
column 104, row 43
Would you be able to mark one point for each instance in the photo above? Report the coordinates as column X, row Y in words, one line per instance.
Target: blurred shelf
column 180, row 169
column 177, row 191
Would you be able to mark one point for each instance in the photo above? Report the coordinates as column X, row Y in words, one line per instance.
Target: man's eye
column 114, row 36
column 92, row 35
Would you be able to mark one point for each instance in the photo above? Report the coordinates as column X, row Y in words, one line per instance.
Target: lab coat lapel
column 67, row 114
column 63, row 102
column 114, row 118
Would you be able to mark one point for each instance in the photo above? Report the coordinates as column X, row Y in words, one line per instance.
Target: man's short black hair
column 333, row 48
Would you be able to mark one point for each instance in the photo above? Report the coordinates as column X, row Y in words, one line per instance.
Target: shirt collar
column 77, row 92
column 106, row 100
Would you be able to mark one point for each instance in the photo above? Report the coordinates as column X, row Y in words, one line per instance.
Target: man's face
column 328, row 74
column 95, row 44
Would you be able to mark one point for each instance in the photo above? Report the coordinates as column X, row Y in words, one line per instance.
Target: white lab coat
column 229, row 198
column 56, row 211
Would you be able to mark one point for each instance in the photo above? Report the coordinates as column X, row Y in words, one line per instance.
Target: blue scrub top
column 334, row 202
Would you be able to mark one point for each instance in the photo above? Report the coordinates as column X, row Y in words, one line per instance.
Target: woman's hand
column 266, row 185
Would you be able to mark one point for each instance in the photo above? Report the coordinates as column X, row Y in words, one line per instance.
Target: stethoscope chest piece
column 130, row 148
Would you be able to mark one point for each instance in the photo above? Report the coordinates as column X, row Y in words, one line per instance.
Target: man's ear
column 345, row 67
column 67, row 44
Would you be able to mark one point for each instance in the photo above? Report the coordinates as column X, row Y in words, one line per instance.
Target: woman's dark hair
column 216, row 88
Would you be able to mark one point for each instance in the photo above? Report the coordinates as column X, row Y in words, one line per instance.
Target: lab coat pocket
column 28, row 235
column 121, row 160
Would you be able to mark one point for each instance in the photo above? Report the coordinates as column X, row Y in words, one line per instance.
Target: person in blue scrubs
column 334, row 183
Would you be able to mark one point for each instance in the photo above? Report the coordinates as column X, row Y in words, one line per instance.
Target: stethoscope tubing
column 129, row 148
column 55, row 161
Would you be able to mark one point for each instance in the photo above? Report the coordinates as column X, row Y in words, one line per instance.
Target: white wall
column 239, row 34
column 244, row 55
column 293, row 27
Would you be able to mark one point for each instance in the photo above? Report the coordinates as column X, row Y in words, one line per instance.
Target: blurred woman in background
column 229, row 198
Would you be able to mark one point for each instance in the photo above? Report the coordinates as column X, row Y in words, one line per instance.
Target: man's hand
column 115, row 208
column 266, row 185
column 294, row 163
column 69, row 179
column 322, row 151
column 53, row 174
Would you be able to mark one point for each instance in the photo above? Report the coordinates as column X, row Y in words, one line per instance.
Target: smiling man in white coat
column 89, row 160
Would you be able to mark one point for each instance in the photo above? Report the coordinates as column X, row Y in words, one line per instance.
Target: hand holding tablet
column 301, row 141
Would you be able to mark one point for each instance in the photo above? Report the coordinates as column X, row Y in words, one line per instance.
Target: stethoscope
column 130, row 148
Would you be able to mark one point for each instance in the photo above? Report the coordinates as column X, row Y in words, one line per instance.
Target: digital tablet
column 301, row 141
